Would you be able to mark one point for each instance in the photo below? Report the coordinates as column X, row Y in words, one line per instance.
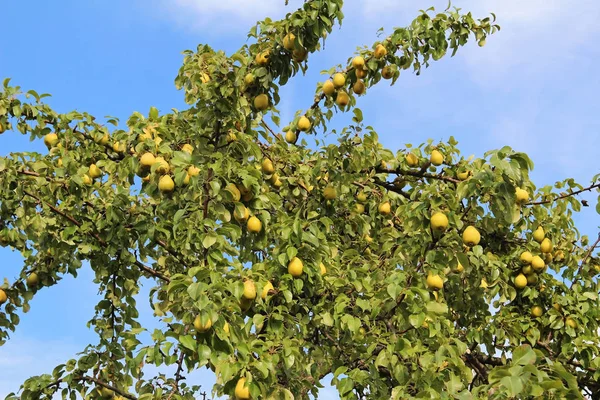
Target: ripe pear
column 439, row 222
column 94, row 172
column 147, row 160
column 339, row 80
column 359, row 87
column 290, row 136
column 226, row 327
column 249, row 79
column 193, row 171
column 436, row 158
column 104, row 139
column 32, row 279
column 199, row 326
column 522, row 195
column 361, row 196
column 526, row 258
column 571, row 322
column 288, row 41
column 300, row 54
column 434, row 282
column 330, row 193
column 262, row 58
column 471, row 236
column 361, row 73
column 204, row 77
column 358, row 62
column 459, row 268
column 261, row 102
column 328, row 87
column 368, row 239
column 166, row 184
column 559, row 255
column 520, row 281
column 385, row 208
column 387, row 72
column 295, row 267
column 163, row 166
column 86, row 179
column 242, row 392
column 527, row 270
column 249, row 290
column 254, row 225
column 380, row 51
column 412, row 160
column 118, row 147
column 265, row 292
column 3, row 297
column 557, row 307
column 537, row 311
column 50, row 140
column 304, row 124
column 241, row 216
column 539, row 234
column 342, row 99
column 235, row 192
column 537, row 263
column 463, row 176
column 546, row 246
column 267, row 166
column 187, row 148
column 359, row 208
column 322, row 268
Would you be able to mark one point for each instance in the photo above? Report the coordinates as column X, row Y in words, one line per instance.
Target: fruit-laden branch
column 417, row 174
column 564, row 196
column 94, row 234
column 98, row 382
column 585, row 258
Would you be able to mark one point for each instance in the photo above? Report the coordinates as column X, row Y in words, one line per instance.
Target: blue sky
column 533, row 86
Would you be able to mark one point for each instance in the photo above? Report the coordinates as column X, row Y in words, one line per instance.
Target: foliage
column 280, row 262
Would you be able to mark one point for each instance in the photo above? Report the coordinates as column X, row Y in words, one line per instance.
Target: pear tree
column 283, row 262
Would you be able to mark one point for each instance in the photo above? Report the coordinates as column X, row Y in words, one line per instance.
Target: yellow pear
column 339, row 80
column 380, row 51
column 300, row 54
column 361, row 196
column 104, row 140
column 267, row 166
column 368, row 239
column 526, row 258
column 226, row 327
column 261, row 102
column 322, row 268
column 50, row 140
column 3, row 297
column 436, row 158
column 520, row 281
column 166, row 184
column 94, row 172
column 522, row 195
column 559, row 255
column 187, row 148
column 87, row 180
column 288, row 41
column 295, row 267
column 361, row 73
column 342, row 99
column 328, row 87
column 459, row 268
column 536, row 311
column 199, row 326
column 241, row 216
column 193, row 171
column 571, row 322
column 557, row 307
column 358, row 62
column 385, row 208
column 412, row 160
column 471, row 236
column 537, row 263
column 254, row 225
column 204, row 77
column 186, row 179
column 147, row 160
column 163, row 166
column 439, row 222
column 330, row 193
column 235, row 192
column 249, row 79
column 262, row 58
column 359, row 208
column 290, row 136
column 387, row 72
column 359, row 87
column 249, row 290
column 539, row 234
column 265, row 292
column 242, row 392
column 434, row 282
column 546, row 246
column 118, row 147
column 32, row 279
column 304, row 124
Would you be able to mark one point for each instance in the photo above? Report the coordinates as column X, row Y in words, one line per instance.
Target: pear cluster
column 532, row 266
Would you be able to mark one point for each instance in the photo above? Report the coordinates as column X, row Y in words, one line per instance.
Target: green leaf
column 188, row 342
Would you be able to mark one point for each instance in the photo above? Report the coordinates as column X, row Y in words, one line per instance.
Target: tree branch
column 564, row 196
